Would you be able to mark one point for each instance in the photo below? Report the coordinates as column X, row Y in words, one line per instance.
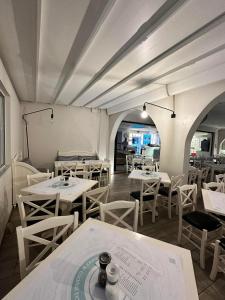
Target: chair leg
column 214, row 270
column 169, row 207
column 180, row 232
column 141, row 213
column 202, row 249
column 153, row 213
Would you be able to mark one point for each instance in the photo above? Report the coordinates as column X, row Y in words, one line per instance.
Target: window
column 2, row 130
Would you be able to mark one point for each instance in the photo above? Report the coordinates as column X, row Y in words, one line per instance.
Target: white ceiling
column 109, row 53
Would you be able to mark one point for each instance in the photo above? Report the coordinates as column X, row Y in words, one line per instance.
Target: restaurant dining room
column 112, row 149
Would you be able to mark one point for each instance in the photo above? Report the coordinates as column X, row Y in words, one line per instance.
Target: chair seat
column 202, row 220
column 222, row 243
column 221, row 217
column 96, row 174
column 136, row 195
column 164, row 190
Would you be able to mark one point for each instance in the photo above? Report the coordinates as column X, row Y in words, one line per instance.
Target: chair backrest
column 220, row 178
column 95, row 167
column 63, row 224
column 175, row 182
column 204, row 173
column 149, row 168
column 20, row 170
column 120, row 206
column 94, row 197
column 192, row 175
column 157, row 165
column 81, row 174
column 148, row 161
column 37, row 207
column 66, row 168
column 39, row 177
column 187, row 197
column 150, row 187
column 214, row 186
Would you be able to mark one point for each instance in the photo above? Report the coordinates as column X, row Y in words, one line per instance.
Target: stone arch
column 196, row 124
column 114, row 126
column 220, row 145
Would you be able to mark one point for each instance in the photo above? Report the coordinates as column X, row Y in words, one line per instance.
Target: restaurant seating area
column 112, row 149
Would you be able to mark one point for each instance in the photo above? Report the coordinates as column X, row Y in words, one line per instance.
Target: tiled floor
column 164, row 229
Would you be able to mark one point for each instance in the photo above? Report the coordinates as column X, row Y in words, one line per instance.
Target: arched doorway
column 207, row 125
column 132, row 134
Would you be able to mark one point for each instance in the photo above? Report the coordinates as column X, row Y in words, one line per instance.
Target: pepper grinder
column 112, row 291
column 104, row 260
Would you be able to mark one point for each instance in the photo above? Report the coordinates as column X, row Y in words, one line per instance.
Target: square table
column 68, row 194
column 142, row 175
column 149, row 268
column 214, row 201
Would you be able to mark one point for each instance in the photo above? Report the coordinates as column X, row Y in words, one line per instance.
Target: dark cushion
column 221, row 217
column 202, row 220
column 164, row 190
column 67, row 158
column 87, row 157
column 222, row 243
column 136, row 195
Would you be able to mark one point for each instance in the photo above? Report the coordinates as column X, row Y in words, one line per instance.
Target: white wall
column 13, row 147
column 73, row 128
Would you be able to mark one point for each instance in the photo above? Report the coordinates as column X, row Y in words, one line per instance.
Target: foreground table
column 214, row 201
column 149, row 268
column 76, row 187
column 143, row 175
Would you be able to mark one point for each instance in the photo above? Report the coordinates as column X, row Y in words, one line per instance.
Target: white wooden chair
column 214, row 186
column 148, row 161
column 147, row 197
column 121, row 205
column 218, row 259
column 203, row 176
column 149, row 168
column 81, row 174
column 96, row 171
column 157, row 165
column 67, row 167
column 93, row 198
column 60, row 226
column 34, row 208
column 129, row 163
column 220, row 178
column 198, row 225
column 170, row 192
column 192, row 175
column 39, row 177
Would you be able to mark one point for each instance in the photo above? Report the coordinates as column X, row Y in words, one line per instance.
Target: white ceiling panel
column 199, row 49
column 125, row 18
column 110, row 54
column 60, row 22
column 173, row 30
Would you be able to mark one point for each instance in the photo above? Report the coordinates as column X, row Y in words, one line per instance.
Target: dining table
column 148, row 268
column 214, row 202
column 69, row 190
column 146, row 175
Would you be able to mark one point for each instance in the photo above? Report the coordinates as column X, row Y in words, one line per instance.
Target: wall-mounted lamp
column 31, row 113
column 144, row 113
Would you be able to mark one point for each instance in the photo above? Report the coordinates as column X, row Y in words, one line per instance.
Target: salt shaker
column 112, row 291
column 104, row 260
